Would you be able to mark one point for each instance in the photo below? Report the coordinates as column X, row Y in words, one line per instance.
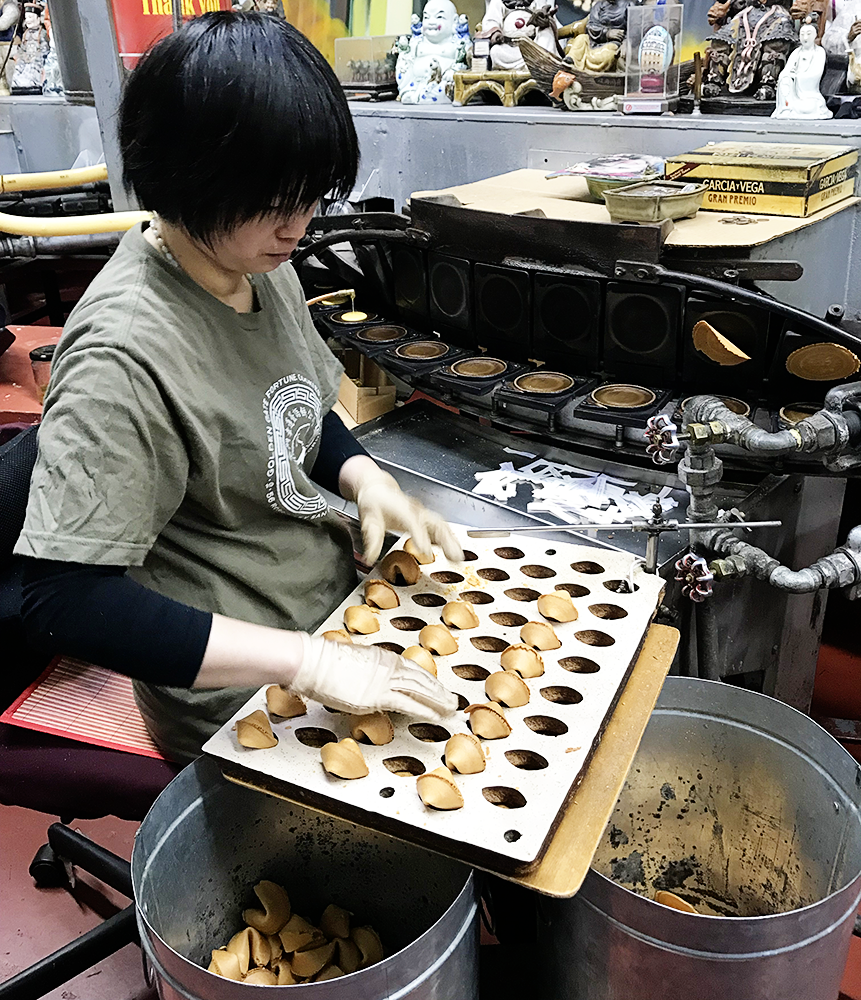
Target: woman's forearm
column 240, row 654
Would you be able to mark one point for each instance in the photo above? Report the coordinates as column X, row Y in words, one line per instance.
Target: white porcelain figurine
column 427, row 62
column 798, row 94
column 514, row 20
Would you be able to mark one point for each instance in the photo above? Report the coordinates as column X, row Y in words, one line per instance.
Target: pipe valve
column 693, row 572
column 663, row 440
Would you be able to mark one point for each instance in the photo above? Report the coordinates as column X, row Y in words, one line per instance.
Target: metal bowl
column 545, row 383
column 794, row 413
column 339, row 317
column 382, row 334
column 422, row 350
column 620, row 396
column 336, row 300
column 479, row 367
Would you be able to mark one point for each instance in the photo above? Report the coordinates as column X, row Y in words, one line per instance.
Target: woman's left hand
column 383, row 506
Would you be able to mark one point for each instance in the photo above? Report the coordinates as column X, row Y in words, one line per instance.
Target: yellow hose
column 52, row 179
column 74, row 225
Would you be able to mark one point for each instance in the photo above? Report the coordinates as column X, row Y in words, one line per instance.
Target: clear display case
column 652, row 48
column 367, row 65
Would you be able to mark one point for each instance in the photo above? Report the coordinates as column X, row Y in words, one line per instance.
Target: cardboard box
column 765, row 178
column 366, row 391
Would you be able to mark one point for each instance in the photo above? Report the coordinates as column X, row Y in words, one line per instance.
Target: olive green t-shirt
column 177, row 439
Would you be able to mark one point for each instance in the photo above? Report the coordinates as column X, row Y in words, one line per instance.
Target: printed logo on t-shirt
column 293, row 410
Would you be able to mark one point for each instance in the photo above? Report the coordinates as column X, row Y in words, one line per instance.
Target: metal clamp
column 661, row 433
column 693, row 571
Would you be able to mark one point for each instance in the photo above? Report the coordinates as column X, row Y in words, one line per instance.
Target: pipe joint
column 700, row 478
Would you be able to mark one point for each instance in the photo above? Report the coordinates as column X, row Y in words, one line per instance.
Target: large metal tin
column 206, row 841
column 766, row 803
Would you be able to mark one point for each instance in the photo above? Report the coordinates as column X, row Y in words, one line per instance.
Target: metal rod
column 652, row 553
column 93, row 858
column 622, row 526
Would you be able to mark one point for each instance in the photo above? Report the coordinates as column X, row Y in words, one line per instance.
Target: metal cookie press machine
column 721, row 423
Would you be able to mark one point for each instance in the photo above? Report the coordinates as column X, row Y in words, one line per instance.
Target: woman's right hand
column 355, row 679
column 360, row 679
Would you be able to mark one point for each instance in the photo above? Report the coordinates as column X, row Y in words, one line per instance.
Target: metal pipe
column 75, row 225
column 708, row 660
column 823, row 431
column 39, row 246
column 53, row 179
column 840, row 568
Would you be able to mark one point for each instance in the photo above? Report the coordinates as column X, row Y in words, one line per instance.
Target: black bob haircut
column 235, row 116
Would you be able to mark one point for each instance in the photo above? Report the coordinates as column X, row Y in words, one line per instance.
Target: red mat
column 85, row 703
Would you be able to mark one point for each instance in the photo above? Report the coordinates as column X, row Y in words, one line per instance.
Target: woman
column 174, row 529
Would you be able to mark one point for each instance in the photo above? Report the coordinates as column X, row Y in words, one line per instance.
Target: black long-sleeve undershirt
column 99, row 614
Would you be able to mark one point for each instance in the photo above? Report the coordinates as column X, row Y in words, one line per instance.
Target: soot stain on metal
column 675, row 873
column 628, row 869
column 617, row 836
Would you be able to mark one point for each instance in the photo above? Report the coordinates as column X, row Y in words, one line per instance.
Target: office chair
column 59, row 776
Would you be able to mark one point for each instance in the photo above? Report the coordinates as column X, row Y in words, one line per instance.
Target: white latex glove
column 360, row 679
column 383, row 506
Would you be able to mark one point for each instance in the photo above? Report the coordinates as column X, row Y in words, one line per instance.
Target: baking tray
column 506, row 840
column 568, row 856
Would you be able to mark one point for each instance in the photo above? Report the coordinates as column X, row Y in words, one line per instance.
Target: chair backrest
column 17, row 458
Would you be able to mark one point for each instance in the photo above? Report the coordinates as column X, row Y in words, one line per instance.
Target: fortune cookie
column 225, row 964
column 255, row 732
column 368, row 942
column 349, row 956
column 400, row 565
column 375, row 728
column 309, row 963
column 523, row 659
column 463, row 753
column 338, row 635
column 488, row 721
column 344, row 760
column 261, row 977
column 540, row 635
column 422, row 558
column 715, row 346
column 822, row 362
column 359, row 618
column 251, row 948
column 419, row 655
column 335, row 922
column 674, row 902
column 438, row 639
column 276, row 949
column 557, row 606
column 282, row 970
column 330, row 972
column 276, row 908
column 380, row 594
column 284, row 703
column 459, row 614
column 299, row 935
column 436, row 789
column 508, row 688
